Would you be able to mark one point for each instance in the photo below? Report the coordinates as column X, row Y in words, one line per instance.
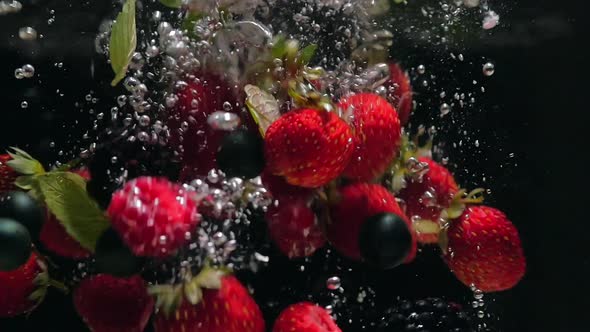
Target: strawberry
column 425, row 198
column 484, row 250
column 308, row 147
column 153, row 216
column 294, row 228
column 190, row 133
column 54, row 238
column 355, row 204
column 377, row 135
column 227, row 309
column 401, row 96
column 17, row 286
column 7, row 175
column 305, row 317
column 110, row 304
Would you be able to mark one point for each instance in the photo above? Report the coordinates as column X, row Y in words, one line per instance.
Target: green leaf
column 307, row 53
column 66, row 197
column 263, row 107
column 23, row 163
column 172, row 3
column 279, row 47
column 123, row 41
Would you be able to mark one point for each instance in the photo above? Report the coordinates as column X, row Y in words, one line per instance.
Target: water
column 191, row 78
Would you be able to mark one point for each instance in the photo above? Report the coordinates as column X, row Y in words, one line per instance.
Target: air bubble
column 333, row 283
column 24, row 104
column 488, row 69
column 421, row 69
column 28, row 71
column 223, row 121
column 27, row 33
column 444, row 109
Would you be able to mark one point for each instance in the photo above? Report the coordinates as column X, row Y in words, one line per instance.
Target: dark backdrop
column 533, row 108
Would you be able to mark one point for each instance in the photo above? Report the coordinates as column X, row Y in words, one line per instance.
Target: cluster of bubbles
column 26, row 71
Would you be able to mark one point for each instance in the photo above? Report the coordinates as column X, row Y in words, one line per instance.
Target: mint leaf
column 23, row 163
column 307, row 53
column 66, row 197
column 172, row 3
column 123, row 41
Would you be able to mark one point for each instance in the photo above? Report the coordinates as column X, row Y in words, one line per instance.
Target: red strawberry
column 402, row 95
column 55, row 238
column 153, row 216
column 228, row 309
column 16, row 286
column 189, row 130
column 110, row 304
column 356, row 203
column 7, row 175
column 305, row 317
column 377, row 134
column 484, row 250
column 308, row 147
column 294, row 228
column 425, row 198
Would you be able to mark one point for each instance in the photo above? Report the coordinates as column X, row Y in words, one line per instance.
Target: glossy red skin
column 199, row 143
column 402, row 95
column 377, row 135
column 110, row 304
column 358, row 202
column 308, row 147
column 229, row 309
column 485, row 250
column 294, row 228
column 7, row 175
column 16, row 286
column 146, row 209
column 305, row 317
column 438, row 181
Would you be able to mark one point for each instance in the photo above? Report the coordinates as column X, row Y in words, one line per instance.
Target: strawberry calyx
column 407, row 164
column 43, row 281
column 170, row 297
column 460, row 201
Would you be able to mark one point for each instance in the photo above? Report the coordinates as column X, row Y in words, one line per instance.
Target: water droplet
column 18, row 73
column 421, row 69
column 152, row 51
column 162, row 240
column 333, row 283
column 24, row 104
column 489, row 69
column 27, row 33
column 144, row 120
column 223, row 120
column 490, row 20
column 480, row 314
column 478, row 294
column 444, row 109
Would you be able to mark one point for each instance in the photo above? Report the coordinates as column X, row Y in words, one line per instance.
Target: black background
column 533, row 108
